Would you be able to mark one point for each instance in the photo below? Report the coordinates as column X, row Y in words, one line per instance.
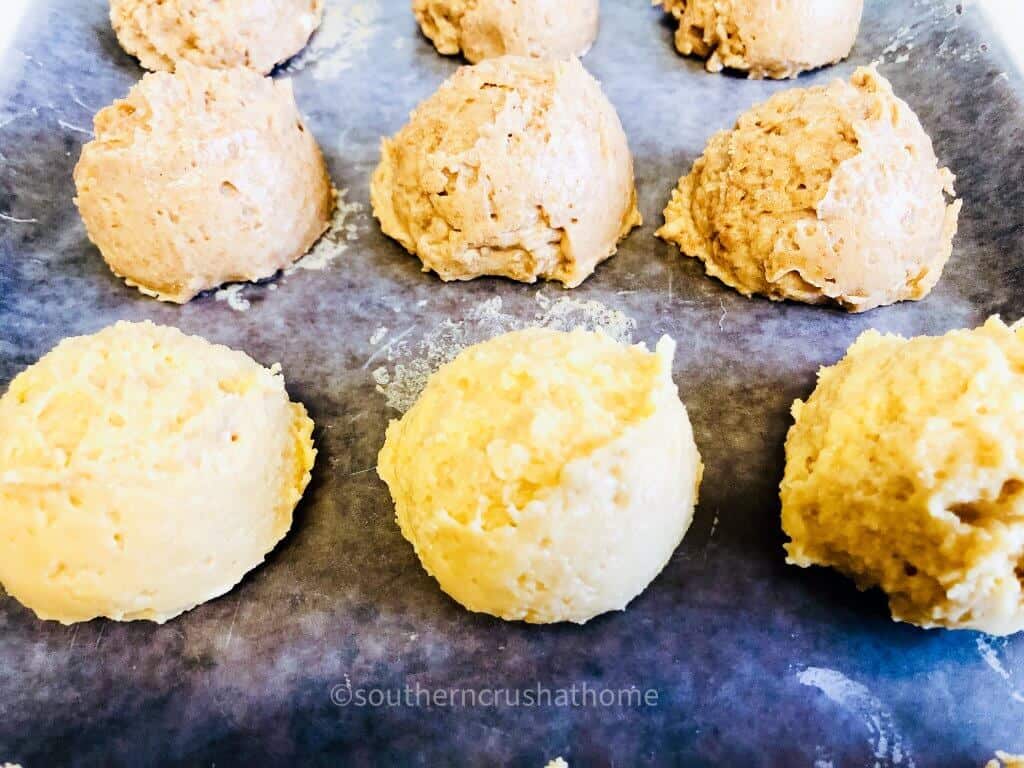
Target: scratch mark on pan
column 34, row 112
column 78, row 101
column 721, row 318
column 77, row 129
column 74, row 637
column 988, row 649
column 384, row 349
column 16, row 220
column 231, row 627
column 99, row 637
column 361, row 471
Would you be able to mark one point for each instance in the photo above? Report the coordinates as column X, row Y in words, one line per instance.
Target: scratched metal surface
column 752, row 662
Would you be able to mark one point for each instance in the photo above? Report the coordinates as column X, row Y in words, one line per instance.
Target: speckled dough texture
column 484, row 29
column 905, row 470
column 516, row 167
column 826, row 195
column 766, row 38
column 143, row 472
column 202, row 177
column 258, row 34
column 545, row 476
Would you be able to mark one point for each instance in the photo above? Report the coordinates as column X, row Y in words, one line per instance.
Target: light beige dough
column 484, row 29
column 545, row 476
column 766, row 38
column 905, row 471
column 200, row 178
column 516, row 167
column 826, row 195
column 222, row 34
column 143, row 472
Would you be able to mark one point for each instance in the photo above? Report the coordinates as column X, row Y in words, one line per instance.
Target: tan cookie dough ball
column 484, row 29
column 905, row 470
column 200, row 178
column 222, row 34
column 516, row 167
column 545, row 476
column 766, row 38
column 143, row 472
column 826, row 195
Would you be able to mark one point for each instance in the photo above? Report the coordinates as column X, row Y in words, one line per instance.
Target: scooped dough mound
column 143, row 472
column 905, row 470
column 202, row 177
column 829, row 194
column 484, row 29
column 222, row 34
column 516, row 167
column 545, row 476
column 766, row 38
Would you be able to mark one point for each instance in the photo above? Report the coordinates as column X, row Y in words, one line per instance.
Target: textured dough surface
column 766, row 38
column 545, row 476
column 143, row 472
column 516, row 167
column 485, row 29
column 222, row 34
column 202, row 177
column 905, row 470
column 829, row 194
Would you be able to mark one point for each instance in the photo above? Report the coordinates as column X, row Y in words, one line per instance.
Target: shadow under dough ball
column 516, row 167
column 143, row 472
column 202, row 177
column 484, row 29
column 766, row 38
column 221, row 34
column 826, row 195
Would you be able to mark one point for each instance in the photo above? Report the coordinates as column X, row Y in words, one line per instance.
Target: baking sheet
column 750, row 662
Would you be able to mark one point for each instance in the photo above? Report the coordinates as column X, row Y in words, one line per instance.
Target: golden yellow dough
column 905, row 470
column 516, row 167
column 200, row 178
column 222, row 34
column 766, row 38
column 143, row 472
column 484, row 29
column 545, row 476
column 826, row 195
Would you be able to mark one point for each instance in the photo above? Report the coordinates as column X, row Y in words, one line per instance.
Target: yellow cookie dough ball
column 905, row 470
column 766, row 38
column 516, row 167
column 202, row 177
column 143, row 472
column 545, row 476
column 258, row 34
column 826, row 195
column 484, row 29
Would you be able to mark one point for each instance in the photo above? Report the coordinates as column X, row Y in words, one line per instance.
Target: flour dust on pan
column 887, row 745
column 343, row 38
column 412, row 363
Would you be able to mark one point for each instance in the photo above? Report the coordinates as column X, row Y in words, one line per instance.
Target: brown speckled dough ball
column 258, row 34
column 484, row 29
column 829, row 194
column 202, row 177
column 766, row 38
column 516, row 167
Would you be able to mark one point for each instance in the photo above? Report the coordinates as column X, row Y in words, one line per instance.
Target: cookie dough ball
column 516, row 167
column 766, row 38
column 143, row 472
column 200, row 178
column 484, row 29
column 545, row 476
column 826, row 195
column 905, row 470
column 222, row 34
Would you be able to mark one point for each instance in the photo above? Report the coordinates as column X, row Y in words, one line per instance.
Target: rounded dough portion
column 222, row 34
column 200, row 178
column 905, row 470
column 515, row 167
column 143, row 472
column 826, row 195
column 766, row 38
column 485, row 29
column 545, row 476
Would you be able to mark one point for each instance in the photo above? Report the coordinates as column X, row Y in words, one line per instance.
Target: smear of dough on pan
column 886, row 742
column 413, row 362
column 344, row 36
